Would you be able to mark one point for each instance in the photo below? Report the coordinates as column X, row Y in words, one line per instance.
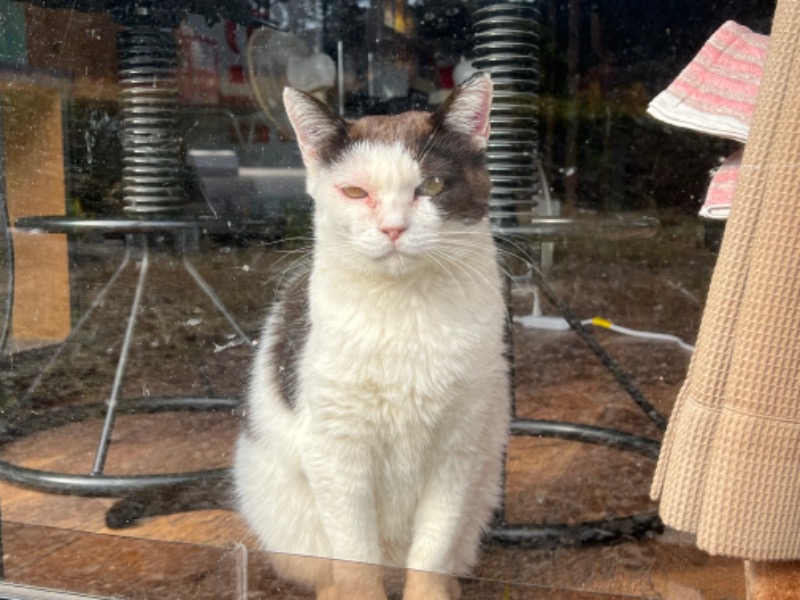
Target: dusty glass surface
column 137, row 271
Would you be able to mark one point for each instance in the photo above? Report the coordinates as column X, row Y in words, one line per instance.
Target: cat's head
column 389, row 189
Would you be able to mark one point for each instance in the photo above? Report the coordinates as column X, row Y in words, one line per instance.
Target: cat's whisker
column 471, row 259
column 304, row 258
column 505, row 245
column 279, row 275
column 301, row 267
column 505, row 257
column 476, row 255
column 469, row 248
column 285, row 255
column 504, row 239
column 433, row 256
column 475, row 274
column 293, row 239
column 457, row 242
column 509, row 241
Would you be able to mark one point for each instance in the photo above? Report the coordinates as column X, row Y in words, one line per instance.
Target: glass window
column 155, row 205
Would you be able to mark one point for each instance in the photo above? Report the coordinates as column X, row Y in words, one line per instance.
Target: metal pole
column 203, row 285
column 113, row 401
column 340, row 75
column 98, row 300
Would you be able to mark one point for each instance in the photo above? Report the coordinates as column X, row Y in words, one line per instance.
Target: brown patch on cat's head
column 440, row 152
column 449, row 143
column 411, row 129
column 462, row 165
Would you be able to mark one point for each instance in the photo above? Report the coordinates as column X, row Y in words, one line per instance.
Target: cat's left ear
column 467, row 109
column 318, row 130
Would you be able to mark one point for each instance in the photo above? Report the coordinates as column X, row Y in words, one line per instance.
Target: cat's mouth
column 396, row 254
column 395, row 251
column 396, row 260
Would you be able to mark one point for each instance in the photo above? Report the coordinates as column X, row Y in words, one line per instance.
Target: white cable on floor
column 552, row 323
column 650, row 335
column 536, row 320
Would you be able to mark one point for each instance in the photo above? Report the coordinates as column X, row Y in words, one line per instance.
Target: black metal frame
column 588, row 532
column 152, row 191
column 96, row 482
column 7, row 248
column 602, row 531
column 2, row 552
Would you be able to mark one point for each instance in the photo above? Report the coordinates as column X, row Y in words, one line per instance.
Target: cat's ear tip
column 479, row 83
column 294, row 98
column 290, row 92
column 479, row 78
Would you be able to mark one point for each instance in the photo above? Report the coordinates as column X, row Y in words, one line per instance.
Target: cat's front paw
column 344, row 592
column 431, row 586
column 353, row 581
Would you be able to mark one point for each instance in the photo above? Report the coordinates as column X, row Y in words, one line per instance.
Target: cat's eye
column 354, row 192
column 430, row 186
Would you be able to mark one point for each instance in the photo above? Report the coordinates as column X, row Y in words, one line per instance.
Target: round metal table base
column 122, row 486
column 25, row 417
column 602, row 531
column 518, row 238
column 101, row 484
column 606, row 531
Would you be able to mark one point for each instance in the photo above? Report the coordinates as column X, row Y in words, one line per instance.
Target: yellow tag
column 600, row 322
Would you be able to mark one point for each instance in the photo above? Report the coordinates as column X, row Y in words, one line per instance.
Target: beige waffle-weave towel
column 729, row 469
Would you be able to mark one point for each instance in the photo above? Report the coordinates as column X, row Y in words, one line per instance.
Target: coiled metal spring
column 151, row 183
column 506, row 46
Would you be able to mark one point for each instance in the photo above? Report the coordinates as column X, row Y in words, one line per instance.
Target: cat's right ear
column 467, row 109
column 318, row 130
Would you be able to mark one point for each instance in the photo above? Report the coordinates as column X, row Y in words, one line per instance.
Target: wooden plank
column 33, row 157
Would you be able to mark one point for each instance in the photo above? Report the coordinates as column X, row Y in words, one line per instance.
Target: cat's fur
column 378, row 403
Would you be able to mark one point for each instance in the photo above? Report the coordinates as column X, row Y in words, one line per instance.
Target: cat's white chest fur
column 402, row 341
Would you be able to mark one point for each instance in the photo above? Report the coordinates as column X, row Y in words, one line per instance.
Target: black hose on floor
column 613, row 367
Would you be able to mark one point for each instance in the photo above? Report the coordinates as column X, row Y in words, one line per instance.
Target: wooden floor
column 63, row 542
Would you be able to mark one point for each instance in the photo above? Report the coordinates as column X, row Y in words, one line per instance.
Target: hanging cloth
column 729, row 469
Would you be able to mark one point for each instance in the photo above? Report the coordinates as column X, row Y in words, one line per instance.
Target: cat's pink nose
column 393, row 232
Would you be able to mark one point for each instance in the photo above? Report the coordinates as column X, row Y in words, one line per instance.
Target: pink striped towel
column 717, row 204
column 716, row 94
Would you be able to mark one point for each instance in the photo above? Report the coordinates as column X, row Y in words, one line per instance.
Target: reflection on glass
column 615, row 233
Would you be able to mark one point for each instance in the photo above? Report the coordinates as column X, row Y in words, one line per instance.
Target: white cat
column 378, row 406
